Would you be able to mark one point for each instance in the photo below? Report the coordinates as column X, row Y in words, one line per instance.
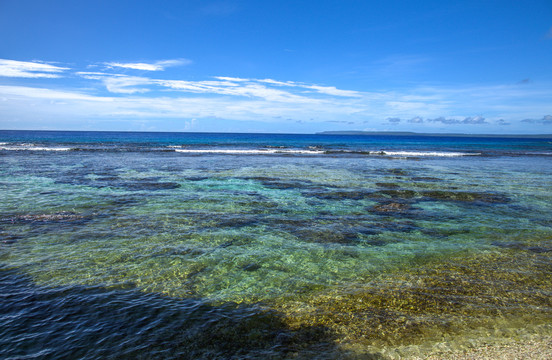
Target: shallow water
column 335, row 247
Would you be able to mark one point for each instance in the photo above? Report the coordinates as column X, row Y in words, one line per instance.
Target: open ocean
column 263, row 246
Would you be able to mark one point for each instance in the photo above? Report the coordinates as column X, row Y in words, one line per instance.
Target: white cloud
column 269, row 100
column 331, row 90
column 249, row 89
column 276, row 82
column 267, row 89
column 473, row 120
column 92, row 75
column 26, row 69
column 254, row 88
column 227, row 78
column 156, row 66
column 24, row 101
column 15, row 92
column 126, row 84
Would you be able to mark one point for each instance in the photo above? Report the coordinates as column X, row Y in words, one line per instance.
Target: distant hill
column 408, row 133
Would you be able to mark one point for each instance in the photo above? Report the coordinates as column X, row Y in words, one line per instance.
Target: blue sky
column 276, row 66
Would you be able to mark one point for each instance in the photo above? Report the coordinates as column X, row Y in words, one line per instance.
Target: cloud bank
column 26, row 69
column 155, row 66
column 108, row 93
column 546, row 120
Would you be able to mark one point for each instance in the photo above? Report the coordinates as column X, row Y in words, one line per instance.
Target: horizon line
column 328, row 132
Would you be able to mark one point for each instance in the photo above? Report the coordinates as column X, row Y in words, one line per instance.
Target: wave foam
column 27, row 147
column 249, row 152
column 424, row 153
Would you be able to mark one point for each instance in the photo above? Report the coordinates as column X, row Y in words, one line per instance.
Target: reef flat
column 324, row 250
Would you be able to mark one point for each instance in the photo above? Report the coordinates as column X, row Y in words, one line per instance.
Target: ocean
column 258, row 246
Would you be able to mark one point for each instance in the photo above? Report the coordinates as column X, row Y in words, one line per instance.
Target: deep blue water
column 187, row 245
column 492, row 145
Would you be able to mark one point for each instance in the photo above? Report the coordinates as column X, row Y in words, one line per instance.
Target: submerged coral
column 437, row 301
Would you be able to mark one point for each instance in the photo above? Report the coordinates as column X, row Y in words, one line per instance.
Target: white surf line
column 424, row 153
column 248, row 152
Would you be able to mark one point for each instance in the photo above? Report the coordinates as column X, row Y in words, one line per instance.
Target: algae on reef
column 434, row 301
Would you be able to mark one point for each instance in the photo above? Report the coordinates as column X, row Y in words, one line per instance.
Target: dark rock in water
column 284, row 185
column 425, row 178
column 338, row 195
column 388, row 185
column 182, row 251
column 396, row 226
column 465, row 196
column 377, row 242
column 7, row 239
column 538, row 249
column 327, row 235
column 396, row 194
column 123, row 201
column 392, row 207
column 443, row 233
column 398, row 172
column 235, row 242
column 543, row 222
column 226, row 244
column 261, row 205
column 108, row 178
column 236, row 221
column 196, row 178
column 279, row 183
column 48, row 192
column 518, row 246
column 151, row 186
column 251, row 267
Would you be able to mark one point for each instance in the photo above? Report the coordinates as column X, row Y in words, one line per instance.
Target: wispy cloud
column 327, row 90
column 249, row 89
column 470, row 120
column 126, row 84
column 276, row 82
column 22, row 97
column 26, row 92
column 473, row 120
column 26, row 69
column 92, row 75
column 331, row 90
column 546, row 120
column 416, row 120
column 267, row 89
column 227, row 78
column 111, row 94
column 155, row 66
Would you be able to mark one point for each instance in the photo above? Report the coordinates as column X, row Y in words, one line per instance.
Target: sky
column 479, row 67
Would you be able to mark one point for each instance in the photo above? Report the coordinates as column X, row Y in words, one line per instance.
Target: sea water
column 189, row 245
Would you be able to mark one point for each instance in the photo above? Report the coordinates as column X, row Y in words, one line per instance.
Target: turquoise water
column 280, row 245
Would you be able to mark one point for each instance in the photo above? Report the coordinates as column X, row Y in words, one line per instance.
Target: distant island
column 409, row 133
